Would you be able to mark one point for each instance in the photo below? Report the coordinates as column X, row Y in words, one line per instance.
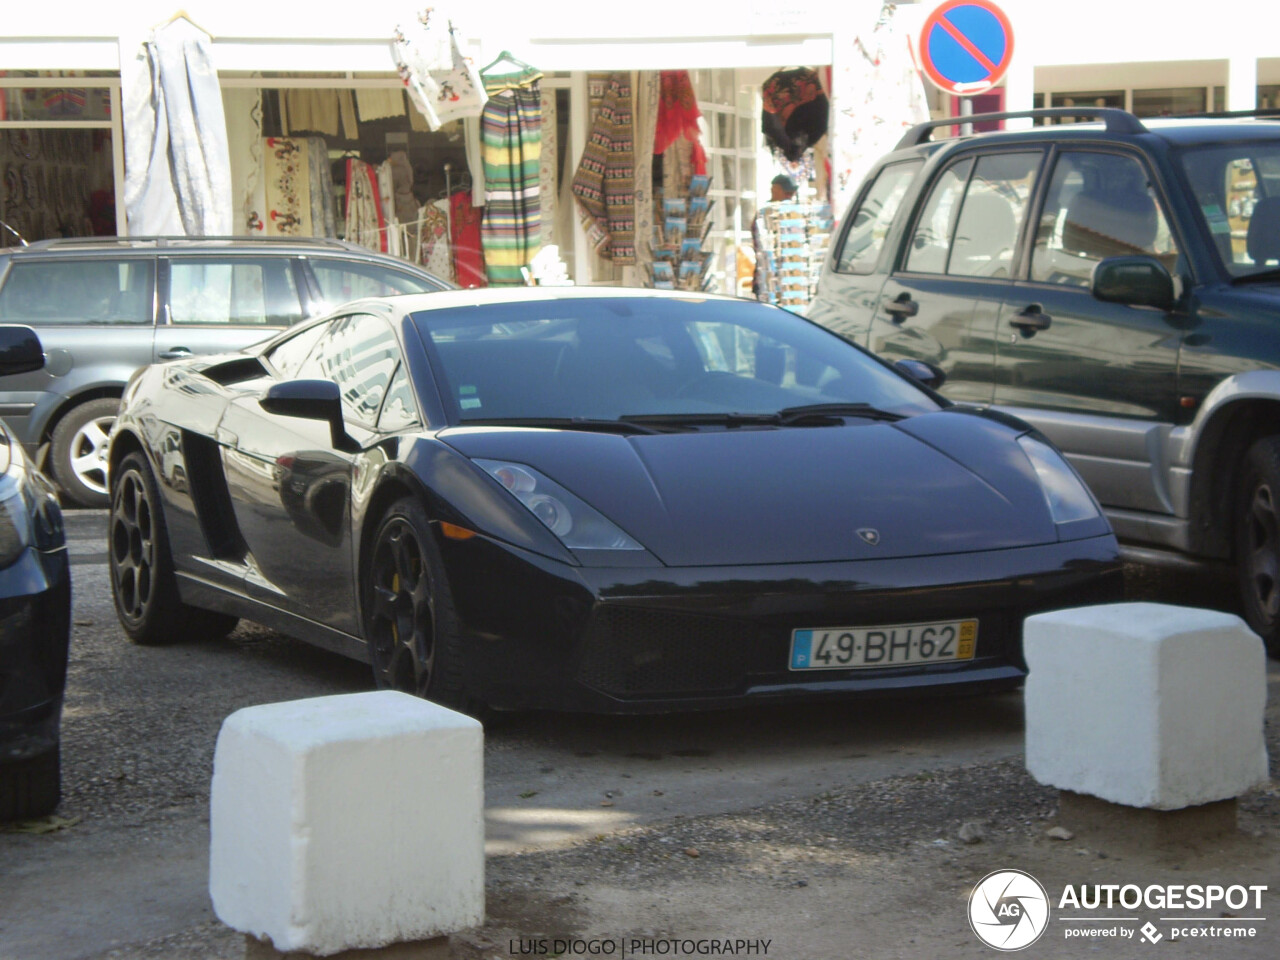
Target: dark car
column 106, row 306
column 1117, row 285
column 35, row 614
column 596, row 500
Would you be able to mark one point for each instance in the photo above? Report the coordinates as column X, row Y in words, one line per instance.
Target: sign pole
column 966, row 110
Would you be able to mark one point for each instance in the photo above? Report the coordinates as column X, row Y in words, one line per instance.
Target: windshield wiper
column 830, row 411
column 1262, row 276
column 709, row 418
column 562, row 423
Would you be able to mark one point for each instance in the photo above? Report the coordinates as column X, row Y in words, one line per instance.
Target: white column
column 1242, row 82
column 1020, row 88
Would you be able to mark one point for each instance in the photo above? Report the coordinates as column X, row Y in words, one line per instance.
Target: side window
column 359, row 353
column 991, row 217
column 1098, row 205
column 344, row 280
column 399, row 412
column 98, row 291
column 233, row 291
column 932, row 236
column 288, row 355
column 870, row 224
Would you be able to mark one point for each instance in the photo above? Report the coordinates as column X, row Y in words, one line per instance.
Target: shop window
column 1172, row 101
column 1269, row 97
column 233, row 292
column 1091, row 98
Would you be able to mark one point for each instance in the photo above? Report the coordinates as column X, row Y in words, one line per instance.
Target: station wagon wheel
column 1258, row 541
column 78, row 451
column 410, row 623
column 142, row 581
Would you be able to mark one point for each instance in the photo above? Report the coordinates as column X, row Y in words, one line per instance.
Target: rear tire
column 1257, row 541
column 409, row 618
column 142, row 581
column 78, row 452
column 30, row 788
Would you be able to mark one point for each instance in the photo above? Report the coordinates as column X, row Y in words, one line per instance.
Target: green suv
column 1115, row 283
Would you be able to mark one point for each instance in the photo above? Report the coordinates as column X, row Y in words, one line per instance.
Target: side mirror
column 20, row 350
column 1135, row 281
column 922, row 371
column 310, row 400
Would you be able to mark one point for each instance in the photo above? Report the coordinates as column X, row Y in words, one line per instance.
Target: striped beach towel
column 511, row 133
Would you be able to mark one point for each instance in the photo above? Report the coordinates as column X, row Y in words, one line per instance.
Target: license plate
column 861, row 648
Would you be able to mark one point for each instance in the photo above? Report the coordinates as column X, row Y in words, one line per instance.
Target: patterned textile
column 795, row 111
column 511, row 131
column 434, row 250
column 288, row 179
column 549, row 174
column 365, row 223
column 605, row 181
column 324, row 211
column 678, row 116
column 648, row 98
column 247, row 146
column 442, row 84
column 468, row 260
column 876, row 94
column 386, row 196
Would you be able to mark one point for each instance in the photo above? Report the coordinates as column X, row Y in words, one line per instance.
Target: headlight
column 1068, row 498
column 578, row 525
column 14, row 531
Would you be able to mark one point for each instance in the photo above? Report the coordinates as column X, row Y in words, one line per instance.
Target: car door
column 218, row 304
column 943, row 301
column 1099, row 379
column 850, row 285
column 290, row 486
column 95, row 317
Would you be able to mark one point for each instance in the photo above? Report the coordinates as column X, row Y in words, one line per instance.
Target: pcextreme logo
column 1009, row 910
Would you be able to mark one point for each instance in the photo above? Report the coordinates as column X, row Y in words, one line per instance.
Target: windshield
column 609, row 357
column 1237, row 192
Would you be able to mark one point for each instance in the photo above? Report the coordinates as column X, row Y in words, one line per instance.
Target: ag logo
column 1009, row 910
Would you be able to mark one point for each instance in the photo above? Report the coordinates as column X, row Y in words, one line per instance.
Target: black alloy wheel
column 1258, row 541
column 410, row 623
column 142, row 581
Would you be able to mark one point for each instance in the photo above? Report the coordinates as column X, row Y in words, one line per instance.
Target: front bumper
column 35, row 631
column 540, row 634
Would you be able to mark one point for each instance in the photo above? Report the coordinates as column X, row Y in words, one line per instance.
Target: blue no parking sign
column 966, row 46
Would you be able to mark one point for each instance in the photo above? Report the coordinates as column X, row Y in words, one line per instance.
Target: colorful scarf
column 605, row 182
column 678, row 116
column 511, row 132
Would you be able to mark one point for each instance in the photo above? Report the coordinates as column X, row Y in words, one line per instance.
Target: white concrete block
column 1145, row 704
column 346, row 822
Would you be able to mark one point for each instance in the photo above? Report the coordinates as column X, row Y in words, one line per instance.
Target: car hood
column 794, row 494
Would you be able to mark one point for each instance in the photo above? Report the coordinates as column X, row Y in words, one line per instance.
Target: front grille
column 634, row 652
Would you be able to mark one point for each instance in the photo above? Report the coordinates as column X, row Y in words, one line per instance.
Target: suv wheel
column 1257, row 537
column 78, row 452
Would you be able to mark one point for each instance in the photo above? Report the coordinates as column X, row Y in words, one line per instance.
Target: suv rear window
column 866, row 234
column 1237, row 191
column 98, row 291
column 343, row 280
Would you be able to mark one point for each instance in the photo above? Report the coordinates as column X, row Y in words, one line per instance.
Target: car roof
column 74, row 246
column 1108, row 123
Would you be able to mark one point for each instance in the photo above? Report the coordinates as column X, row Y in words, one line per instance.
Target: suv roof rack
column 1117, row 121
column 164, row 241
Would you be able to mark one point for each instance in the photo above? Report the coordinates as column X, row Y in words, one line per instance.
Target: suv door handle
column 901, row 307
column 175, row 353
column 1031, row 319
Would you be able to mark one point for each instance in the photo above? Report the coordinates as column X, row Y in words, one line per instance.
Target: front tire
column 410, row 622
column 1257, row 541
column 142, row 581
column 78, row 452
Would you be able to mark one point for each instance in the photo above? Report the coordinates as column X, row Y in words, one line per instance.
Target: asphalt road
column 129, row 863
